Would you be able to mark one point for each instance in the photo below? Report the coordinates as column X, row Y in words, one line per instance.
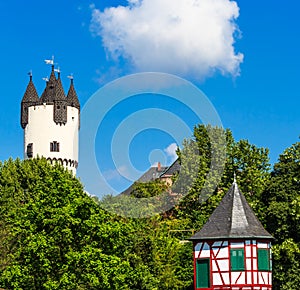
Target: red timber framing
column 226, row 271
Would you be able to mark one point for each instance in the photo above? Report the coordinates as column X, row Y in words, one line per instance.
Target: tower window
column 54, row 146
column 29, row 150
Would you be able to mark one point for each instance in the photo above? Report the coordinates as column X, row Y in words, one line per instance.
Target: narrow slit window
column 29, row 150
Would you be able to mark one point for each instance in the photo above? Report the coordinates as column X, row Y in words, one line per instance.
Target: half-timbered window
column 237, row 259
column 263, row 259
column 54, row 146
column 202, row 273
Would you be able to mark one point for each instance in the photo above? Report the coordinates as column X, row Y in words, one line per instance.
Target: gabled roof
column 151, row 174
column 232, row 219
column 173, row 168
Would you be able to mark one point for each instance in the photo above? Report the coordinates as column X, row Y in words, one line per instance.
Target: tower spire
column 30, row 98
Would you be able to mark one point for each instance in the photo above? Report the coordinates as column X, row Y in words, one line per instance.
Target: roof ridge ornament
column 30, row 74
column 71, row 77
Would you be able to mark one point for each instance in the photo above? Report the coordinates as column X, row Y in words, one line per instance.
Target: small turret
column 72, row 98
column 60, row 103
column 30, row 98
column 49, row 93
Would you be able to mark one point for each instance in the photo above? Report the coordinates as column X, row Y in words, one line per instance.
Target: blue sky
column 254, row 87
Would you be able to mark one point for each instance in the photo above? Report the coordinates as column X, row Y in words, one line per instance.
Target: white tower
column 51, row 123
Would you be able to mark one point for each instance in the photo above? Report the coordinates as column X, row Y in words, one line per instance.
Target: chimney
column 158, row 166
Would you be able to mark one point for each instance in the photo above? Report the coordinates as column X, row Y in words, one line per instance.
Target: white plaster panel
column 223, row 253
column 237, row 245
column 254, row 252
column 248, row 264
column 249, row 278
column 226, row 278
column 255, row 278
column 248, row 251
column 254, row 264
column 262, row 245
column 265, row 276
column 205, row 254
column 235, row 276
column 223, row 265
column 214, row 265
column 217, row 279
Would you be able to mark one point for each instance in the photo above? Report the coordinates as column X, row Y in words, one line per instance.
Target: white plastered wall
column 41, row 130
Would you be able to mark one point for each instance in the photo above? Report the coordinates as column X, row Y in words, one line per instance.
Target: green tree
column 59, row 237
column 282, row 201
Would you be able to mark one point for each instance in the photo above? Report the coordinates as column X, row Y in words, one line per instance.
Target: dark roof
column 232, row 219
column 173, row 168
column 52, row 94
column 72, row 97
column 30, row 94
column 59, row 90
column 48, row 94
column 151, row 174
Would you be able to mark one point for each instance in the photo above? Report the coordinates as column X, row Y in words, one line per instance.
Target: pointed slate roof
column 232, row 219
column 30, row 98
column 72, row 97
column 59, row 90
column 49, row 93
column 30, row 95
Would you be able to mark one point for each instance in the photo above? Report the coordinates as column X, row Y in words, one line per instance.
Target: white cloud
column 171, row 152
column 187, row 37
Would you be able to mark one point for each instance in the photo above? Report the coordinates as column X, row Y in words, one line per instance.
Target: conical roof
column 72, row 96
column 59, row 90
column 49, row 93
column 30, row 95
column 232, row 219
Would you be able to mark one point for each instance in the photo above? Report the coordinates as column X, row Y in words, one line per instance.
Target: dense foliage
column 54, row 236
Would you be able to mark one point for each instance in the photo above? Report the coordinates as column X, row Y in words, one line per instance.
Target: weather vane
column 71, row 77
column 50, row 61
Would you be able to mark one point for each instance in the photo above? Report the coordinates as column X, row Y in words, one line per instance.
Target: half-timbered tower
column 51, row 122
column 232, row 250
